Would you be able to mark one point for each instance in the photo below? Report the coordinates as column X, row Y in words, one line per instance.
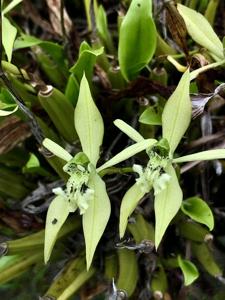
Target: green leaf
column 167, row 204
column 189, row 270
column 150, row 117
column 87, row 5
column 127, row 153
column 129, row 202
column 4, row 113
column 8, row 37
column 57, row 214
column 54, row 52
column 176, row 115
column 88, row 123
column 128, row 130
column 86, row 62
column 204, row 155
column 96, row 217
column 33, row 162
column 201, row 31
column 199, row 211
column 25, row 41
column 56, row 149
column 11, row 5
column 137, row 39
column 102, row 28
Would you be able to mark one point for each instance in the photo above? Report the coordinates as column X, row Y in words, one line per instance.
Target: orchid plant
column 159, row 173
column 85, row 190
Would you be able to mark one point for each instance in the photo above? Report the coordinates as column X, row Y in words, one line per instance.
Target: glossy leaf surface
column 136, row 53
column 199, row 211
column 85, row 62
column 150, row 117
column 189, row 270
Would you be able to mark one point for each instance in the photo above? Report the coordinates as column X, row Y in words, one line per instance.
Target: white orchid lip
column 154, row 174
column 77, row 192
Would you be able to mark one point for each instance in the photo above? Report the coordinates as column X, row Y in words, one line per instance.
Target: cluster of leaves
column 60, row 148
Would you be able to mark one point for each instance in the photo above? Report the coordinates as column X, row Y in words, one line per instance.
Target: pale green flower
column 154, row 174
column 77, row 192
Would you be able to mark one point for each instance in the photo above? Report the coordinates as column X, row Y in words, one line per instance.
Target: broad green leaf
column 33, row 166
column 8, row 37
column 137, row 38
column 57, row 214
column 10, row 6
column 33, row 162
column 56, row 149
column 189, row 270
column 129, row 202
column 4, row 113
column 96, row 217
column 88, row 123
column 204, row 155
column 25, row 41
column 167, row 204
column 54, row 52
column 176, row 115
column 128, row 130
column 102, row 28
column 150, row 117
column 127, row 153
column 201, row 31
column 57, row 54
column 86, row 62
column 199, row 211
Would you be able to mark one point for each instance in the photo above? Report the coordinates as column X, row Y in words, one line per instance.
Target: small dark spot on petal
column 139, row 5
column 54, row 221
